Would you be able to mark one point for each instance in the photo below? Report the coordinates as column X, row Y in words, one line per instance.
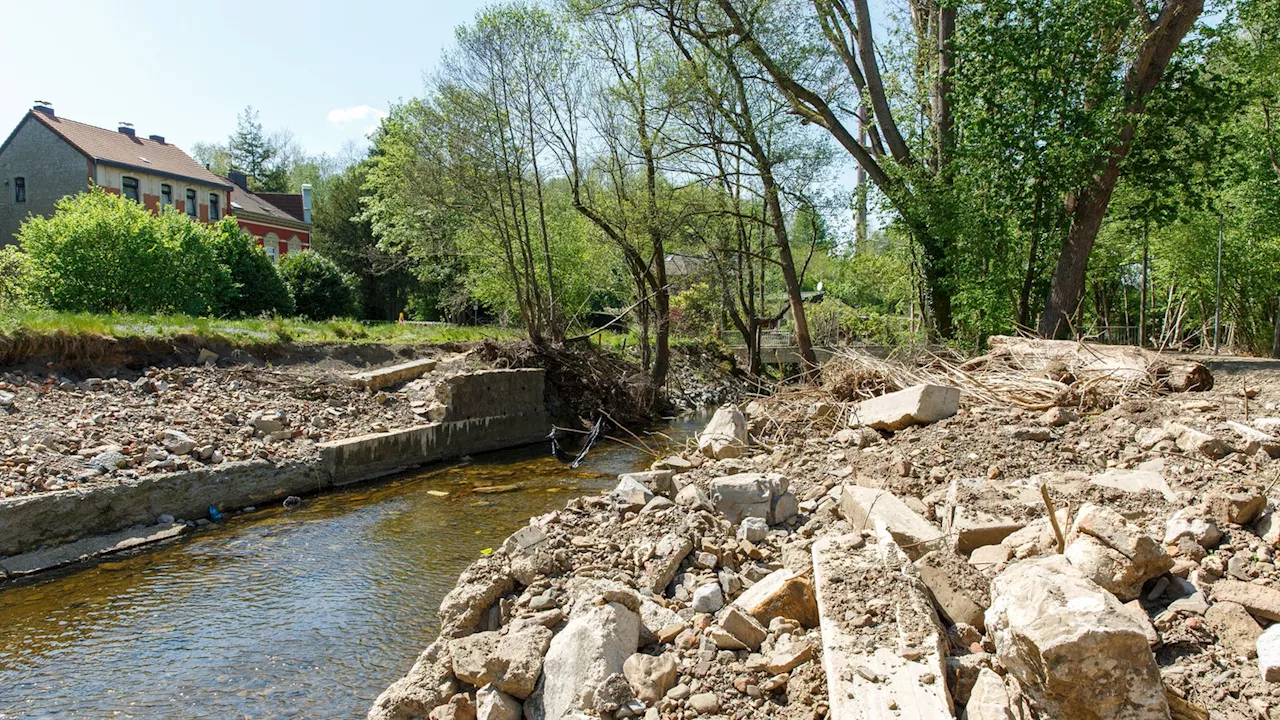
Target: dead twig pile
column 583, row 382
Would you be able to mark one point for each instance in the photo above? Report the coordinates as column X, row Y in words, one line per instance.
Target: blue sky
column 325, row 69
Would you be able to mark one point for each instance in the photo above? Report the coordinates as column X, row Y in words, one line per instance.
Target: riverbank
column 795, row 563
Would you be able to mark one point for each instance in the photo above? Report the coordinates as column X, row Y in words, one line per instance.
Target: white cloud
column 342, row 116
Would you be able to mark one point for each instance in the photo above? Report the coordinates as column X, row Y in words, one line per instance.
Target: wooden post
column 1142, row 308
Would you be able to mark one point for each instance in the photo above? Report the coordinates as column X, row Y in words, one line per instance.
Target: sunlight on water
column 305, row 613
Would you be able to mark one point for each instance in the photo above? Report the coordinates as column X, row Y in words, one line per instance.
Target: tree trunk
column 1162, row 38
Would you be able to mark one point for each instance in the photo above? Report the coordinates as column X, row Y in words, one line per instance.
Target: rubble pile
column 57, row 432
column 923, row 557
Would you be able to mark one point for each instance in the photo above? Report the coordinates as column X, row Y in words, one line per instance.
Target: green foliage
column 695, row 311
column 320, row 291
column 255, row 153
column 101, row 253
column 257, row 287
column 14, row 277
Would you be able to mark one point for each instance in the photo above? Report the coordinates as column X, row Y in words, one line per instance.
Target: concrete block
column 1135, row 481
column 865, row 508
column 918, row 405
column 868, row 679
column 1261, row 602
column 393, row 375
column 742, row 495
column 1269, row 654
column 974, row 529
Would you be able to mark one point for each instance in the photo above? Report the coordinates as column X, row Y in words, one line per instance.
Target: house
column 47, row 157
column 281, row 222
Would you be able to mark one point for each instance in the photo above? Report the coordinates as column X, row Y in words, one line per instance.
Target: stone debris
column 1071, row 643
column 918, row 405
column 890, row 572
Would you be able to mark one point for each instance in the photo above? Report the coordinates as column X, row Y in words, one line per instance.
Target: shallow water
column 304, row 613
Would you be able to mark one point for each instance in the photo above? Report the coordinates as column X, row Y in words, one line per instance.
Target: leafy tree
column 320, row 291
column 257, row 288
column 258, row 155
column 342, row 233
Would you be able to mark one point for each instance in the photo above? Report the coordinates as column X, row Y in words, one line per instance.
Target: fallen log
column 1068, row 361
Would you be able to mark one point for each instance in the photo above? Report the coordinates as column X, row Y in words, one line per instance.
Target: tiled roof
column 116, row 148
column 291, row 203
column 243, row 201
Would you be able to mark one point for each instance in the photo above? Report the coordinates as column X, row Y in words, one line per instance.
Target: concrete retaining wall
column 516, row 416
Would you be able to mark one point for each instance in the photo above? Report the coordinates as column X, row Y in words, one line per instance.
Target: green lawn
column 30, row 324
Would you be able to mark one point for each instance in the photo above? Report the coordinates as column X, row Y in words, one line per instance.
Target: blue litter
column 214, row 515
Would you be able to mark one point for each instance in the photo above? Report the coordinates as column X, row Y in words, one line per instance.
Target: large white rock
column 742, row 495
column 918, row 405
column 726, row 435
column 493, row 704
column 989, row 699
column 1114, row 552
column 1076, row 651
column 511, row 662
column 592, row 647
column 1269, row 654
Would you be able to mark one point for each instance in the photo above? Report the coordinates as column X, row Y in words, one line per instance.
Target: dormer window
column 19, row 189
column 129, row 188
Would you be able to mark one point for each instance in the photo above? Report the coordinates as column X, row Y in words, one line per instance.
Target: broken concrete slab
column 1071, row 644
column 1239, row 508
column 918, row 405
column 53, row 557
column 512, row 662
column 658, row 482
column 380, row 378
column 864, row 508
column 974, row 528
column 744, row 628
column 781, row 593
column 1197, row 442
column 868, row 679
column 960, row 591
column 1135, row 481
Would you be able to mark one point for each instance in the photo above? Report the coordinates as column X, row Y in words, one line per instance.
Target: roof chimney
column 238, row 179
column 44, row 106
column 126, row 129
column 157, row 138
column 306, row 203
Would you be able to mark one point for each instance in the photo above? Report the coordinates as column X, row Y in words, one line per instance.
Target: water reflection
column 306, row 613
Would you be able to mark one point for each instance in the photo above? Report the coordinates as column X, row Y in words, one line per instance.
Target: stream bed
column 302, row 613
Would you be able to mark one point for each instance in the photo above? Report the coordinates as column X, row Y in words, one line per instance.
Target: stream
column 302, row 613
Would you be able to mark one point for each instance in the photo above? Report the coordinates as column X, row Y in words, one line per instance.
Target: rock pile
column 879, row 573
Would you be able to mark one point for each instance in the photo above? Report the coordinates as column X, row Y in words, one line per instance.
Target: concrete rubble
column 904, row 567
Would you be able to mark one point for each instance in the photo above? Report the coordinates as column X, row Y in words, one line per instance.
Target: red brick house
column 281, row 222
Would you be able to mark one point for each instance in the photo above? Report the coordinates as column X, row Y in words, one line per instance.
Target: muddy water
column 304, row 613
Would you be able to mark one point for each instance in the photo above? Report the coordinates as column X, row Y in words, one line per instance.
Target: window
column 130, row 188
column 19, row 189
column 191, row 202
column 166, row 194
column 272, row 252
column 213, row 207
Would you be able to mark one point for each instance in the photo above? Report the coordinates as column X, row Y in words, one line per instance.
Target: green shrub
column 14, row 275
column 256, row 286
column 319, row 289
column 102, row 253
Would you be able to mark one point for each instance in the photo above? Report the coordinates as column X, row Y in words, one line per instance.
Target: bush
column 102, row 253
column 319, row 289
column 256, row 286
column 14, row 276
